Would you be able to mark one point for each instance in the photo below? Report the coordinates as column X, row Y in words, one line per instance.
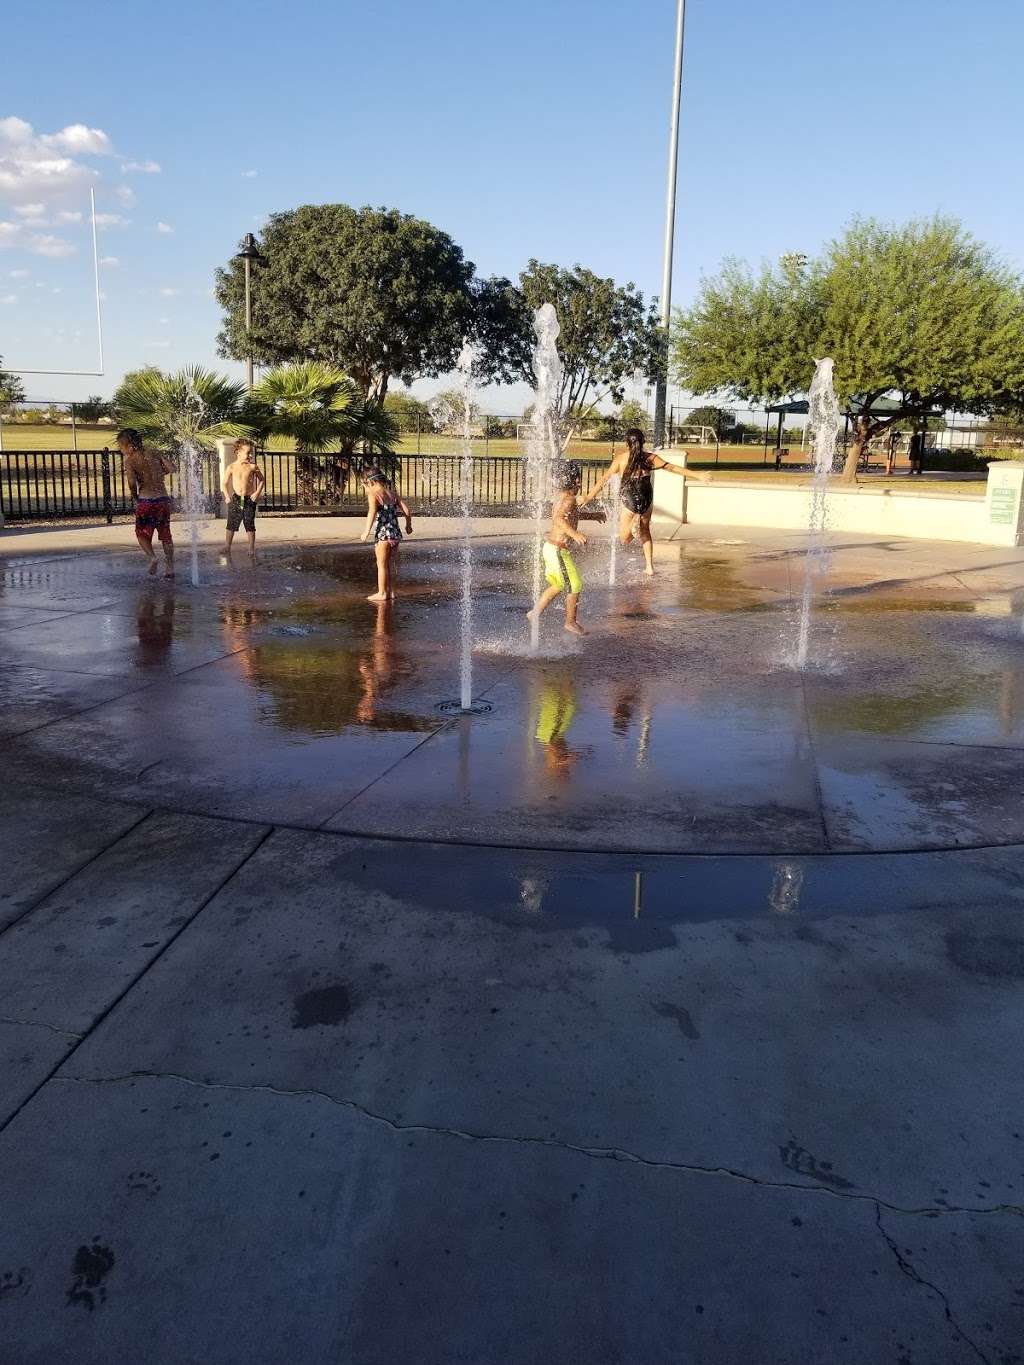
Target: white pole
column 661, row 393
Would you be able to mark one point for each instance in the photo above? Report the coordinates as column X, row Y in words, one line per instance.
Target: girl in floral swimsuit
column 383, row 507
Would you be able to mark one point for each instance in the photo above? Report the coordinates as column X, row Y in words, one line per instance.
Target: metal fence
column 50, row 485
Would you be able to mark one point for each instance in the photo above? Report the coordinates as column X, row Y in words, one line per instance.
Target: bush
column 955, row 461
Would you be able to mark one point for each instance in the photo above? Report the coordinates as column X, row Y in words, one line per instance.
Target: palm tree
column 192, row 407
column 320, row 408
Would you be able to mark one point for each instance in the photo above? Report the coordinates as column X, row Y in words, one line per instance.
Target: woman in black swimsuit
column 634, row 466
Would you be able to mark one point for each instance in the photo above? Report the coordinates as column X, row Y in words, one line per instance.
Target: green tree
column 12, row 391
column 319, row 407
column 408, row 410
column 91, row 409
column 921, row 313
column 447, row 411
column 373, row 292
column 607, row 336
column 718, row 419
column 634, row 414
column 193, row 405
column 127, row 384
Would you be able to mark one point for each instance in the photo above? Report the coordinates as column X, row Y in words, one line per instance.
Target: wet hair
column 130, row 435
column 376, row 476
column 636, row 466
column 567, row 476
column 244, row 441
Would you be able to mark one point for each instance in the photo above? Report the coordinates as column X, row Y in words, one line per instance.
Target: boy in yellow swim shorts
column 559, row 567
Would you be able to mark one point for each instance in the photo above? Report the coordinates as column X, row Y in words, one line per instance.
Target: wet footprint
column 15, row 1282
column 91, row 1266
column 145, row 1181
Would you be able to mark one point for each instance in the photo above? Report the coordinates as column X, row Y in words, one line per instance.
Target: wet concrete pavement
column 669, row 1011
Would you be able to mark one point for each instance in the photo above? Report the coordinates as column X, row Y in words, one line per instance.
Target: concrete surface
column 672, row 1011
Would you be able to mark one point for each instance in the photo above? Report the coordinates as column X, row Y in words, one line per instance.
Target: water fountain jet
column 544, row 443
column 823, row 422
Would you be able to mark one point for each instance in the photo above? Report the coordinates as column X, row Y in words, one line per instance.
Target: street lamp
column 249, row 255
column 661, row 392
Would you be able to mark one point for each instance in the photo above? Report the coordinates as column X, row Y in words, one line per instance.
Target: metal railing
column 51, row 485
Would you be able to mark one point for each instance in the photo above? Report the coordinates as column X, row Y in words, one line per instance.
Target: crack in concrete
column 908, row 1269
column 38, row 1023
column 595, row 1153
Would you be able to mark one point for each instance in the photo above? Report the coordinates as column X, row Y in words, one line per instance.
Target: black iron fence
column 51, row 485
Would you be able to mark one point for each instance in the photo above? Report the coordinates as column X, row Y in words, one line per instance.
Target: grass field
column 65, row 486
column 17, row 437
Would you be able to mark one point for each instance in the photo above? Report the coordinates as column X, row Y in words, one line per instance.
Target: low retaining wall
column 995, row 519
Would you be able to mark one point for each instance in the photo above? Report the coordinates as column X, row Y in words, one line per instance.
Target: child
column 635, row 465
column 559, row 568
column 242, row 485
column 146, row 472
column 383, row 507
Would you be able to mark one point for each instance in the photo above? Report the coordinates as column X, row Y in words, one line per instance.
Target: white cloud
column 109, row 260
column 249, row 175
column 77, row 138
column 106, row 220
column 45, row 244
column 19, row 274
column 141, row 168
column 124, row 194
column 10, row 233
column 168, row 293
column 42, row 166
column 157, row 345
column 30, row 210
column 163, row 321
column 69, row 216
column 164, row 227
column 8, row 298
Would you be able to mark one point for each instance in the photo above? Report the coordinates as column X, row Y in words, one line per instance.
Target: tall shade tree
column 608, row 334
column 194, row 404
column 923, row 314
column 373, row 292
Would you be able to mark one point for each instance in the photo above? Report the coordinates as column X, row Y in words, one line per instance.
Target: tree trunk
column 305, row 477
column 861, row 436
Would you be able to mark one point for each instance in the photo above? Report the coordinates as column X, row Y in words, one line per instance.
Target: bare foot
column 533, row 615
column 377, row 597
column 574, row 628
column 648, row 573
column 152, row 568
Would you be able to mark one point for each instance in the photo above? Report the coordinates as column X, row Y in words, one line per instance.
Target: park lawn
column 18, row 437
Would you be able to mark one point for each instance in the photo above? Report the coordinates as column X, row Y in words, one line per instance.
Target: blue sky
column 533, row 129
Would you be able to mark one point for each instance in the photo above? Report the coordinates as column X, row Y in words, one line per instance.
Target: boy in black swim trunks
column 242, row 485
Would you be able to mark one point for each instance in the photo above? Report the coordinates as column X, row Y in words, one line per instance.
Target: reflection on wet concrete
column 675, row 722
column 155, row 624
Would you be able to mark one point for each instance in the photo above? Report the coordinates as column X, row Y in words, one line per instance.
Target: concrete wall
column 928, row 516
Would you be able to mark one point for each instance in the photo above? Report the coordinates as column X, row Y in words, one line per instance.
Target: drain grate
column 455, row 708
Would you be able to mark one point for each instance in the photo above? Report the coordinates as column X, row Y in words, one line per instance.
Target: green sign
column 1002, row 507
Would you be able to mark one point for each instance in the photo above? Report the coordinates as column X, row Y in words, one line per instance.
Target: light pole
column 661, row 392
column 249, row 255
